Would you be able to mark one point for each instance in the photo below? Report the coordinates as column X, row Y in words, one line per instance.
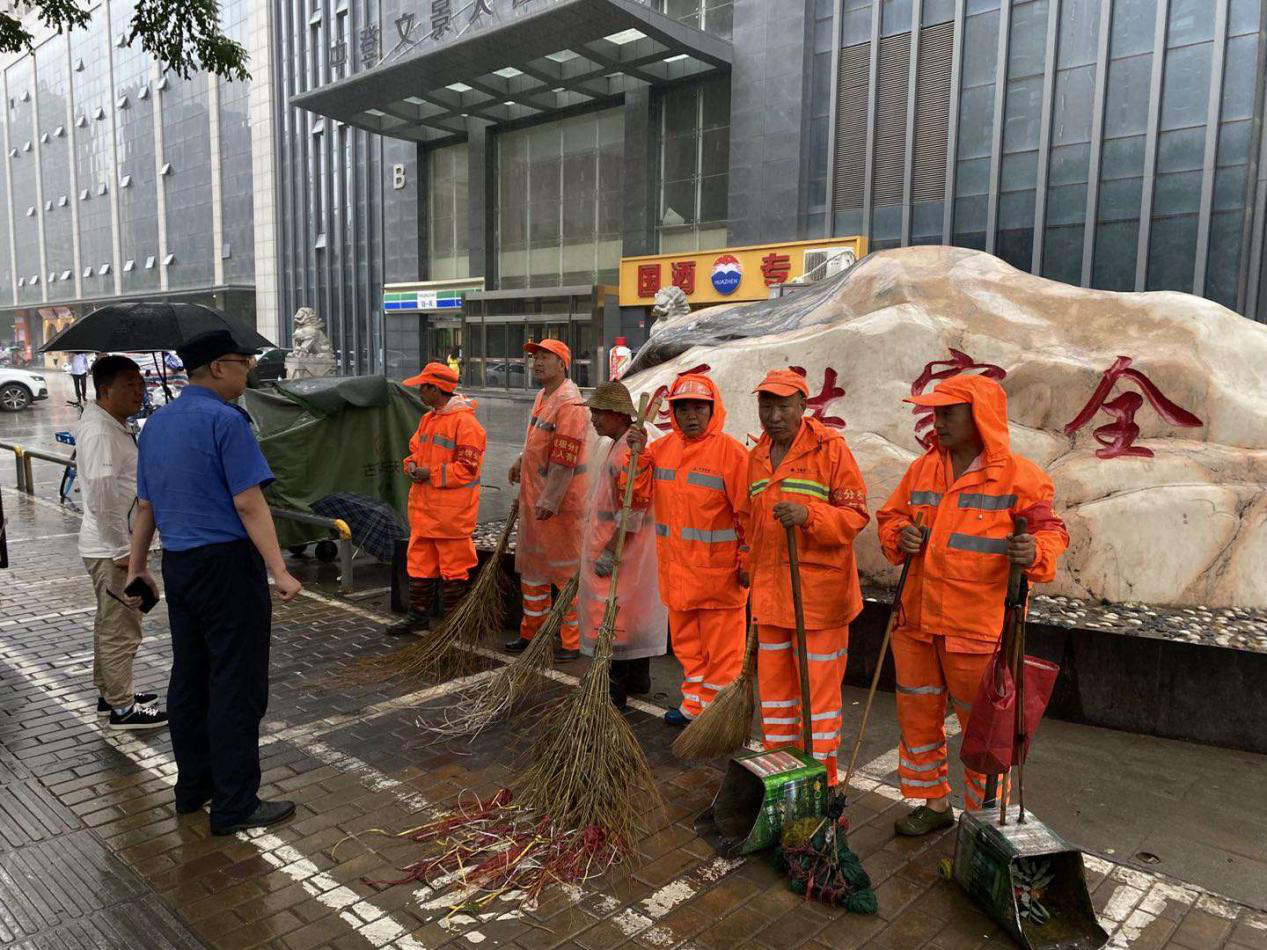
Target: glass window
column 542, row 239
column 694, row 165
column 448, row 233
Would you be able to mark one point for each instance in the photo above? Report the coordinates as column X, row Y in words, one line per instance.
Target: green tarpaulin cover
column 330, row 435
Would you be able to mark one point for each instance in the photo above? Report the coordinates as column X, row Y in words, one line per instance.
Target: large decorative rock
column 1148, row 410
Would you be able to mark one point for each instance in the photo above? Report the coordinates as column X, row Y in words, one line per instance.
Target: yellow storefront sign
column 730, row 274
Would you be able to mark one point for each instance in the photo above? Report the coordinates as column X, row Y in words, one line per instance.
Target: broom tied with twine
column 516, row 685
column 585, row 768
column 453, row 650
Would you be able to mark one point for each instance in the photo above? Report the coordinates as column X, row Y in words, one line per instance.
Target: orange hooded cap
column 693, row 386
column 989, row 410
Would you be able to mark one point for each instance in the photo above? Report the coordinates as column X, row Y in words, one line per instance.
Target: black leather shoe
column 266, row 813
column 518, row 645
column 566, row 656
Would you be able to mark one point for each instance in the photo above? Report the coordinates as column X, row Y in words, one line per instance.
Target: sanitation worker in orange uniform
column 444, row 462
column 698, row 478
column 551, row 476
column 969, row 487
column 801, row 474
column 641, row 623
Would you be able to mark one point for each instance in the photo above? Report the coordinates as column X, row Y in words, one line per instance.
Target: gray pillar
column 639, row 174
column 481, row 203
column 766, row 118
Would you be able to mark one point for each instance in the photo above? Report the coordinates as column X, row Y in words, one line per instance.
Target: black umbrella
column 375, row 526
column 148, row 327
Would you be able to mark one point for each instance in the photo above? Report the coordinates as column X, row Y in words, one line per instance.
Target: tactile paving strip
column 29, row 813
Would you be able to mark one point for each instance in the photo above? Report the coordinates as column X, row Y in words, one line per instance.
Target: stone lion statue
column 309, row 338
column 669, row 302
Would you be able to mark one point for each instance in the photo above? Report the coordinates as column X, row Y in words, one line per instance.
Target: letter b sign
column 398, row 177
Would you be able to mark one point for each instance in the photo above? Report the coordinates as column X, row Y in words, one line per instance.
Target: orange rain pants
column 929, row 671
column 449, row 558
column 779, row 683
column 537, row 600
column 709, row 644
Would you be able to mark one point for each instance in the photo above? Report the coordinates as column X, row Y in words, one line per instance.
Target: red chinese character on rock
column 958, row 364
column 1118, row 437
column 818, row 404
column 775, row 268
column 664, row 418
column 684, row 276
column 648, row 279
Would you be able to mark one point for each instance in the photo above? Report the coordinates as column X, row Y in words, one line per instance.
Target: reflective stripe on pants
column 709, row 645
column 928, row 675
column 779, row 684
column 538, row 597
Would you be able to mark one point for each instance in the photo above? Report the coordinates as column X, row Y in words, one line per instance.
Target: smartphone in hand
column 138, row 588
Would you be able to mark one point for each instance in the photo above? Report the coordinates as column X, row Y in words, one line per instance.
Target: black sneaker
column 139, row 717
column 266, row 813
column 141, row 699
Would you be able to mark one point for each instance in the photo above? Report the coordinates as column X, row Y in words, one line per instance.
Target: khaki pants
column 116, row 634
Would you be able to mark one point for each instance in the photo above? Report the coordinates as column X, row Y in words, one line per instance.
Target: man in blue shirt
column 200, row 476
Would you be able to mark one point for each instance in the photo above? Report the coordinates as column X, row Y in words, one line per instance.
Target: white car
column 19, row 388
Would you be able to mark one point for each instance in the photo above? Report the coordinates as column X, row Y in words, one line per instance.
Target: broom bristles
column 451, row 650
column 726, row 723
column 586, row 768
column 513, row 686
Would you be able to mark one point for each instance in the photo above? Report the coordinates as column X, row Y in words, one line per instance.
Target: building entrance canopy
column 499, row 61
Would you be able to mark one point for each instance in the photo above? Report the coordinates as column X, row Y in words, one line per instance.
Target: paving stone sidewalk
column 92, row 853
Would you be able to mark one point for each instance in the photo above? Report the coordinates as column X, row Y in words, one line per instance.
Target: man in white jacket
column 105, row 452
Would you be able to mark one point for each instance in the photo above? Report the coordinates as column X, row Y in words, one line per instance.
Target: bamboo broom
column 453, row 649
column 727, row 722
column 515, row 685
column 585, row 768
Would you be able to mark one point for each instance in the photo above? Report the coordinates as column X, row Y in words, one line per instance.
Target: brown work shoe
column 924, row 820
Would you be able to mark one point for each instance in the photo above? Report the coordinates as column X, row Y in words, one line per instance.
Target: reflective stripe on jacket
column 450, row 442
column 820, row 473
column 700, row 491
column 956, row 588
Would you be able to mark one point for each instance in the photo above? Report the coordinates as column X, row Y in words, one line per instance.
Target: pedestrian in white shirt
column 106, row 456
column 78, row 367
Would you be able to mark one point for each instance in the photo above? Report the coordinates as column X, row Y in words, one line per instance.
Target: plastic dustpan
column 761, row 792
column 1028, row 879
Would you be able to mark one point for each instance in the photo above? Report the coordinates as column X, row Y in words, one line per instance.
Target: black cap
column 207, row 347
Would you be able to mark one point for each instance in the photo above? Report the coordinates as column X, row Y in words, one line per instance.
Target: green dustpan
column 762, row 792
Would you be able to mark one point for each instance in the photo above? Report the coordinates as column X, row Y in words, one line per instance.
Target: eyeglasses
column 247, row 362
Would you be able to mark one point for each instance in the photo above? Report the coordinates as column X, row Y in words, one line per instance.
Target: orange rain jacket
column 552, row 474
column 820, row 473
column 451, row 442
column 957, row 586
column 700, row 492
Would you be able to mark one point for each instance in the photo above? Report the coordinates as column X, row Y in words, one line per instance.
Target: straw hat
column 613, row 397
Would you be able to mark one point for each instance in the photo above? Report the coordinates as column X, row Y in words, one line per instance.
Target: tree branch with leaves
column 182, row 35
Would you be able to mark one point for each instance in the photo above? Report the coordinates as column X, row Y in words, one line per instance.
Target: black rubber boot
column 422, row 597
column 451, row 594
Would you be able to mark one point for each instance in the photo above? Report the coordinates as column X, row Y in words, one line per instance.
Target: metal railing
column 339, row 530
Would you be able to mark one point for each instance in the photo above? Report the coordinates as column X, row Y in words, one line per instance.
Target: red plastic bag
column 989, row 744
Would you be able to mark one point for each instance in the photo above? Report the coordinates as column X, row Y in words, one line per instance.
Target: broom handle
column 802, row 651
column 645, row 411
column 879, row 665
column 1016, row 661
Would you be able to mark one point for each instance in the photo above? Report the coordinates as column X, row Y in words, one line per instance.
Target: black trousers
column 81, row 386
column 220, row 610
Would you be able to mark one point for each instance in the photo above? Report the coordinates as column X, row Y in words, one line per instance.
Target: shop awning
column 530, row 57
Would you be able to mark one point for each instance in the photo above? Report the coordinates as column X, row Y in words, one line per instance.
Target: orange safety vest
column 820, row 473
column 450, row 442
column 700, row 492
column 556, row 436
column 957, row 586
